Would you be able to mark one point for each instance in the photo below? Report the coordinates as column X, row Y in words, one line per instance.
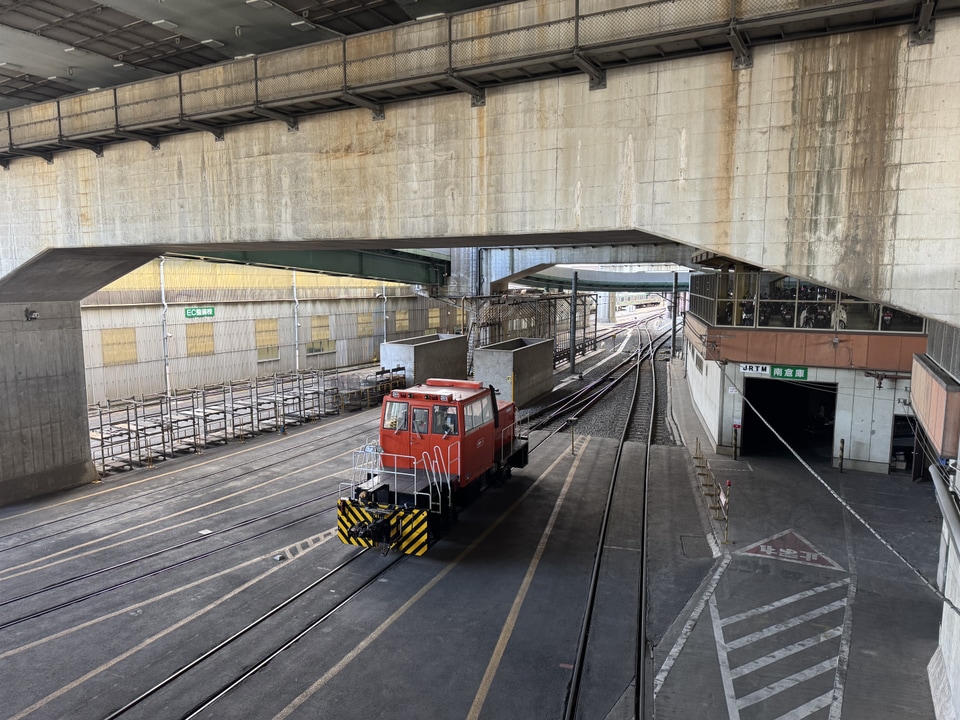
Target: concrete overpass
column 831, row 158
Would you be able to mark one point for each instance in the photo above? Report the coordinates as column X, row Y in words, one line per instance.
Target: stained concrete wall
column 520, row 370
column 834, row 159
column 44, row 440
column 427, row 356
column 944, row 667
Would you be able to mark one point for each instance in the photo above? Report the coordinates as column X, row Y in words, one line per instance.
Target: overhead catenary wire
column 846, row 506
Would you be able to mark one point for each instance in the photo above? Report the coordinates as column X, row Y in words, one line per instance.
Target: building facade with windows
column 774, row 361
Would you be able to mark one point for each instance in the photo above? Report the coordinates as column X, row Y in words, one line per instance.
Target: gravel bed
column 606, row 419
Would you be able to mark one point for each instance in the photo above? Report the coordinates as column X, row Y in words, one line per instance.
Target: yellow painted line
column 514, row 613
column 153, row 638
column 385, row 625
column 8, row 573
column 191, row 466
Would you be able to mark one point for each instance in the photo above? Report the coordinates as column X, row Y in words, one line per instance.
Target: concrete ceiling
column 51, row 48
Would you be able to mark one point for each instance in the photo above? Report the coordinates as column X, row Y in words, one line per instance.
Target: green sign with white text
column 789, row 372
column 204, row 312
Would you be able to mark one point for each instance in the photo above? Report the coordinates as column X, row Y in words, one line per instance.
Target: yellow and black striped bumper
column 403, row 529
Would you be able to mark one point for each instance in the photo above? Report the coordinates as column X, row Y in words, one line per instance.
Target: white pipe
column 163, row 326
column 296, row 325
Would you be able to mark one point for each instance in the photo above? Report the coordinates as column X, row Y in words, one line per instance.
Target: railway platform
column 804, row 611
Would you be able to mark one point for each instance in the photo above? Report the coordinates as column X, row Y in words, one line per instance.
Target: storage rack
column 137, row 432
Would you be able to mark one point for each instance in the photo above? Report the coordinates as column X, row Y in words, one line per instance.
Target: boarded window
column 320, row 341
column 199, row 339
column 433, row 321
column 364, row 324
column 402, row 320
column 268, row 340
column 119, row 346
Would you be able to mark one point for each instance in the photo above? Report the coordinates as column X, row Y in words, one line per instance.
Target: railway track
column 220, row 663
column 255, row 665
column 599, row 389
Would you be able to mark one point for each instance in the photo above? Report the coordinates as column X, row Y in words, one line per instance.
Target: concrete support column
column 466, row 273
column 607, row 307
column 44, row 434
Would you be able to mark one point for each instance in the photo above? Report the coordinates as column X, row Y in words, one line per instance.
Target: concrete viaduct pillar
column 44, row 440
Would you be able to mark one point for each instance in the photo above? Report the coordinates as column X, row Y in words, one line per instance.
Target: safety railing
column 442, row 50
column 717, row 493
column 384, row 477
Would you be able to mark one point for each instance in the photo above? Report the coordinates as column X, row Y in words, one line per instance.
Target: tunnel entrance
column 801, row 412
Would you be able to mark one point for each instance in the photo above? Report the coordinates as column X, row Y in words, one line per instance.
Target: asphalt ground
column 485, row 625
column 806, row 613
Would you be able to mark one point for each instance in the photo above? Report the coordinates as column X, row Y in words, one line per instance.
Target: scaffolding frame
column 138, row 432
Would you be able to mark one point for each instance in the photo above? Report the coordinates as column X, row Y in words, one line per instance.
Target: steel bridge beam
column 390, row 266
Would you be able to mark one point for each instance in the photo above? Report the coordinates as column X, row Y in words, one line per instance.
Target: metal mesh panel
column 34, row 124
column 758, row 8
column 513, row 44
column 88, row 113
column 650, row 18
column 398, row 66
column 218, row 98
column 301, row 83
column 148, row 102
column 219, row 87
column 943, row 346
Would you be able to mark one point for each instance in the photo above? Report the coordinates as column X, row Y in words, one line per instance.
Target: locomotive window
column 445, row 420
column 421, row 420
column 395, row 416
column 477, row 413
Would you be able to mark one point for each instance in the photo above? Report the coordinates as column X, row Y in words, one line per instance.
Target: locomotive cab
column 440, row 444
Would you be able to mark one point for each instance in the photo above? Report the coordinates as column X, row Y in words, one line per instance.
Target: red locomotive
column 440, row 444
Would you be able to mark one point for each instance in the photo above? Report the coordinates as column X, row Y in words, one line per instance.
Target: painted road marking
column 785, row 601
column 403, row 609
column 312, row 542
column 796, row 671
column 689, row 626
column 785, row 652
column 508, row 626
column 790, row 546
column 787, row 683
column 791, row 623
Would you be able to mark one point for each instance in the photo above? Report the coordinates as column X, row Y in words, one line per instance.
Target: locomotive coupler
column 377, row 531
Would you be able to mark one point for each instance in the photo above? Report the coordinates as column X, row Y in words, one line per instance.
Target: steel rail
column 311, row 444
column 158, row 571
column 248, row 628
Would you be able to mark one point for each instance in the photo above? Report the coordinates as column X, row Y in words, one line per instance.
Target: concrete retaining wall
column 427, row 356
column 44, row 442
column 520, row 369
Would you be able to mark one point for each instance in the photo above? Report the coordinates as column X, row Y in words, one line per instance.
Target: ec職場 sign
column 198, row 312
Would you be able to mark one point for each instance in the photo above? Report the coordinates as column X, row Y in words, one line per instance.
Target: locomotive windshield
column 477, row 413
column 445, row 420
column 421, row 420
column 395, row 416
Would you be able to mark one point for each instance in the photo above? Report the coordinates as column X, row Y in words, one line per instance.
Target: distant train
column 440, row 444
